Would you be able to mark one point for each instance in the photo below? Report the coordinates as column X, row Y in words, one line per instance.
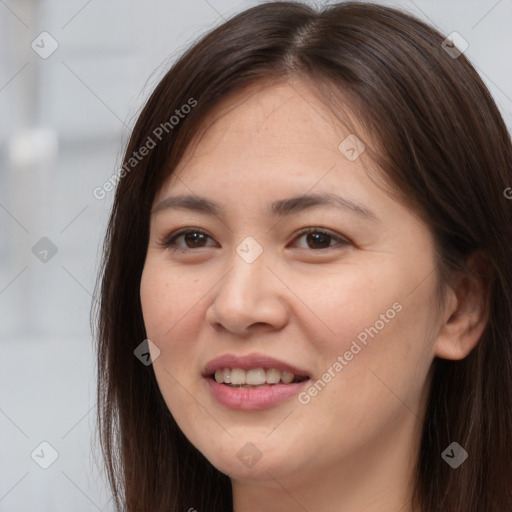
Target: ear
column 467, row 312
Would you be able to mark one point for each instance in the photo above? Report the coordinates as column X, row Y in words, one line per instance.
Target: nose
column 248, row 298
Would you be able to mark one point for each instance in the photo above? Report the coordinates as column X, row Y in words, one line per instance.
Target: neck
column 378, row 480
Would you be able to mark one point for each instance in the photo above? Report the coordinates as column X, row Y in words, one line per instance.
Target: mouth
column 253, row 381
column 255, row 378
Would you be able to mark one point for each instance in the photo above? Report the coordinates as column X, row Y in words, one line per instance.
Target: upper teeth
column 254, row 377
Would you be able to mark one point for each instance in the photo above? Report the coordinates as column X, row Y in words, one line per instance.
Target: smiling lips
column 255, row 377
column 251, row 368
column 253, row 381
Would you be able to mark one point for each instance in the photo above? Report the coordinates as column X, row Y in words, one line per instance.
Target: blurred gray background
column 73, row 76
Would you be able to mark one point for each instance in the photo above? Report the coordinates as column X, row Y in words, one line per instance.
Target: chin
column 242, row 460
column 258, row 471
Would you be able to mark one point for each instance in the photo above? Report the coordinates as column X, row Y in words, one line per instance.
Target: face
column 339, row 293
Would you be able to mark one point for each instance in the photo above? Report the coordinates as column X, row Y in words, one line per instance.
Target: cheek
column 351, row 303
column 166, row 298
column 167, row 309
column 369, row 331
column 173, row 307
column 154, row 300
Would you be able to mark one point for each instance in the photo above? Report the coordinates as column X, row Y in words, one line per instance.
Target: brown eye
column 321, row 239
column 193, row 239
column 318, row 239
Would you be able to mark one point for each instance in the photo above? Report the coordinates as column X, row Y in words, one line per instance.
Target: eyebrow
column 278, row 208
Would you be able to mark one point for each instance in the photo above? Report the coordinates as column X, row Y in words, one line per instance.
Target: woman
column 311, row 243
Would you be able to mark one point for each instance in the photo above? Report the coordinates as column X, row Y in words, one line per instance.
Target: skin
column 352, row 447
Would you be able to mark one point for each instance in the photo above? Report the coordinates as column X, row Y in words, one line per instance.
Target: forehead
column 277, row 115
column 278, row 131
column 272, row 151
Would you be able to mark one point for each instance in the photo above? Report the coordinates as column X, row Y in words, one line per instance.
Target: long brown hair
column 442, row 143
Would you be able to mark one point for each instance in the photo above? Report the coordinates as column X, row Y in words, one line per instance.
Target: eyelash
column 169, row 241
